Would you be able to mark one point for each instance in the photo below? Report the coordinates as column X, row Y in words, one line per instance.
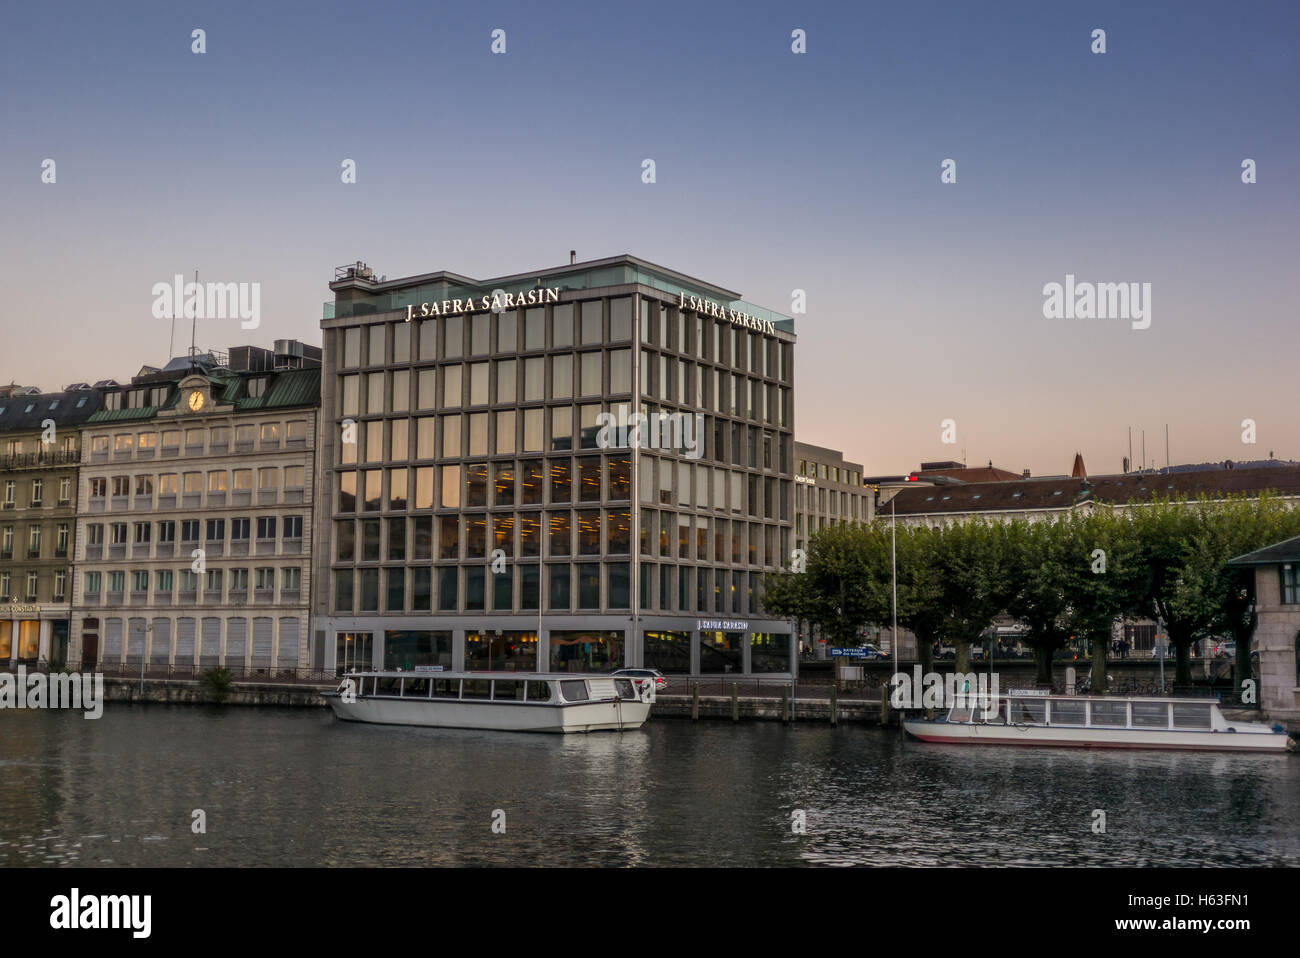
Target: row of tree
column 1072, row 576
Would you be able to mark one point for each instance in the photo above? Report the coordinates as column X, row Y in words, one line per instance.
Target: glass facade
column 518, row 462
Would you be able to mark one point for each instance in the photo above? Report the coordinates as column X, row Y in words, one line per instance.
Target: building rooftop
column 68, row 408
column 1066, row 491
column 1288, row 550
column 358, row 292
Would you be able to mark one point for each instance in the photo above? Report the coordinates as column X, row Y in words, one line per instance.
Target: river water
column 297, row 787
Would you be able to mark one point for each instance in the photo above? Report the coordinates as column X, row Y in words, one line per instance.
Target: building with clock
column 579, row 468
column 194, row 516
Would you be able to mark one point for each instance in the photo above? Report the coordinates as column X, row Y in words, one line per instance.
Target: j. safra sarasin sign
column 494, row 302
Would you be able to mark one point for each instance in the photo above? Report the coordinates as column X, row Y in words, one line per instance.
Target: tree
column 840, row 590
column 1038, row 558
column 1103, row 578
column 974, row 582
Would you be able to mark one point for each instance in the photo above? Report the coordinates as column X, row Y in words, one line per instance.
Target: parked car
column 873, row 651
column 661, row 683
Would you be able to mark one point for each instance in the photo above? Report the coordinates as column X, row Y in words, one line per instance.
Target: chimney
column 1025, row 474
column 573, row 256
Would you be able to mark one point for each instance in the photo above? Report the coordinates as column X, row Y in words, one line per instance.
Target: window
column 140, row 581
column 268, row 479
column 243, row 480
column 194, row 437
column 93, row 583
column 142, row 533
column 239, row 529
column 217, row 481
column 294, row 477
column 147, row 440
column 1290, row 584
column 216, row 530
column 266, row 527
column 193, row 483
column 292, row 527
column 220, row 436
column 123, row 442
column 117, row 582
column 291, row 579
column 270, row 432
column 265, row 579
column 190, row 530
column 99, row 443
column 121, row 485
column 162, row 582
column 212, row 581
column 118, row 531
column 167, row 531
column 65, row 490
column 167, row 484
column 38, row 490
column 171, row 438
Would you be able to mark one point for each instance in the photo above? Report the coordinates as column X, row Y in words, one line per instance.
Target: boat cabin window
column 508, row 690
column 574, row 690
column 626, row 690
column 415, row 688
column 993, row 713
column 446, row 688
column 1150, row 715
column 359, row 682
column 387, row 685
column 1191, row 716
column 476, row 689
column 1069, row 712
column 959, row 714
column 1028, row 711
column 1110, row 714
column 539, row 692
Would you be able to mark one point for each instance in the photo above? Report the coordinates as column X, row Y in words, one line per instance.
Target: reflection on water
column 286, row 787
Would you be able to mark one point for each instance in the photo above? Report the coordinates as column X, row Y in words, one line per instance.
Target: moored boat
column 510, row 701
column 1096, row 722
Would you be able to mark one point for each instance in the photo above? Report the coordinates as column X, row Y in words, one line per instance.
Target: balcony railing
column 30, row 460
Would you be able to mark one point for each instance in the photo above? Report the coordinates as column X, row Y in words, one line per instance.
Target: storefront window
column 501, row 651
column 769, row 652
column 668, row 651
column 722, row 652
column 404, row 649
column 584, row 651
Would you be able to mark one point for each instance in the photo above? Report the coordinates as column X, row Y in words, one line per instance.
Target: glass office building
column 577, row 469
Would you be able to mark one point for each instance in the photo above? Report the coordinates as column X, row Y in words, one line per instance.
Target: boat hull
column 620, row 715
column 1093, row 737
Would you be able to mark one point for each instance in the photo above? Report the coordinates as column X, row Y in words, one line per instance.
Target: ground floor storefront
column 672, row 644
column 32, row 634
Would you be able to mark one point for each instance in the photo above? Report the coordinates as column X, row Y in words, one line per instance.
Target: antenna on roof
column 194, row 326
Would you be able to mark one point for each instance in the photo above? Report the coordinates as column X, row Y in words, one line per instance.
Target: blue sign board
column 850, row 653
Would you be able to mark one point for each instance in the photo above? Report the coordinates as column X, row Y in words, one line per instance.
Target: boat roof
column 1177, row 699
column 449, row 674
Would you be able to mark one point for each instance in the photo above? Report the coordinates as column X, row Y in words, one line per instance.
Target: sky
column 775, row 171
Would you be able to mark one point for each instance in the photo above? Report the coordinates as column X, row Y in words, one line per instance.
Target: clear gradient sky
column 775, row 172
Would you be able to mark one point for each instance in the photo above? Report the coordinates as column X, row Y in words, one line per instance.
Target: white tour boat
column 1028, row 718
column 505, row 701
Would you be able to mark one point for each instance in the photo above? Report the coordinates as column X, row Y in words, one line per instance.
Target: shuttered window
column 288, row 657
column 160, row 649
column 210, row 653
column 112, row 641
column 263, row 632
column 185, row 642
column 236, row 642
